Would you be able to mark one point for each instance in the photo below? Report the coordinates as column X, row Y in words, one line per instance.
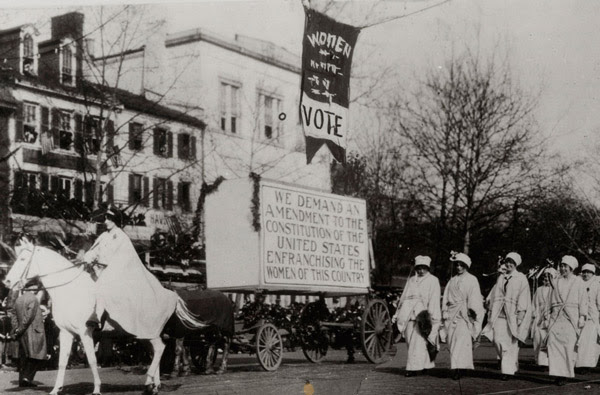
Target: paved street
column 332, row 376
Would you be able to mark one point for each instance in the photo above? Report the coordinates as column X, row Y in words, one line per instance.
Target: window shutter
column 19, row 122
column 55, row 126
column 169, row 195
column 78, row 192
column 89, row 193
column 79, row 147
column 18, row 179
column 156, row 142
column 193, row 147
column 45, row 119
column 155, row 191
column 53, row 184
column 110, row 133
column 170, row 144
column 110, row 194
column 44, row 182
column 132, row 136
column 146, row 191
column 180, row 146
column 180, row 201
column 131, row 181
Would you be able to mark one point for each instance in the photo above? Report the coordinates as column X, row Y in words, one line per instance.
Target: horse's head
column 22, row 269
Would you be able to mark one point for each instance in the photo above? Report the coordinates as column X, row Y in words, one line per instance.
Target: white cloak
column 461, row 294
column 539, row 325
column 587, row 345
column 420, row 293
column 568, row 301
column 131, row 295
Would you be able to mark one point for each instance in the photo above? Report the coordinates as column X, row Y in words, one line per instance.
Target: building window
column 92, row 135
column 186, row 146
column 64, row 187
column 160, row 193
column 136, row 189
column 67, row 60
column 229, row 106
column 30, row 124
column 183, row 198
column 65, row 134
column 136, row 136
column 162, row 143
column 269, row 108
column 28, row 54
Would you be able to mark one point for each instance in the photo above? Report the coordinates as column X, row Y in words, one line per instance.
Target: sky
column 551, row 45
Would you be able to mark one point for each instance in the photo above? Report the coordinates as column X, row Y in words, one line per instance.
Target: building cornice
column 196, row 35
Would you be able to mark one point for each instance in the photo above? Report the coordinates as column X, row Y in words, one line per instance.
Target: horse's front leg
column 153, row 374
column 211, row 355
column 65, row 342
column 88, row 345
column 227, row 343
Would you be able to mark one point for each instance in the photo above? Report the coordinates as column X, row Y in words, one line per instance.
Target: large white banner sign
column 313, row 239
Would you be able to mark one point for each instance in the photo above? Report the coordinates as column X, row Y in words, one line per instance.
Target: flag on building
column 174, row 225
column 327, row 50
column 46, row 142
column 115, row 156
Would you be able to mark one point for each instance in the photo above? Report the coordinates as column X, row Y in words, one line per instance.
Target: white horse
column 71, row 290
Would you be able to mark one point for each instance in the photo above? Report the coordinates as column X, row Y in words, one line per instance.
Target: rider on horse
column 131, row 295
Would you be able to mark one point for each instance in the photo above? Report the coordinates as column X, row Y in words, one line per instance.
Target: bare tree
column 473, row 140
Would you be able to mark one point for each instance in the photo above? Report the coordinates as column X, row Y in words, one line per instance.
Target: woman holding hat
column 131, row 295
column 418, row 316
column 510, row 317
column 541, row 316
column 569, row 309
column 462, row 314
column 588, row 349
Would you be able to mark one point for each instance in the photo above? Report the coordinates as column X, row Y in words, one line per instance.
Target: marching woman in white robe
column 510, row 316
column 569, row 309
column 587, row 345
column 541, row 316
column 462, row 314
column 422, row 293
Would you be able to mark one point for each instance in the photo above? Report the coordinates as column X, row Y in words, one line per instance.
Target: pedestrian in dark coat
column 31, row 336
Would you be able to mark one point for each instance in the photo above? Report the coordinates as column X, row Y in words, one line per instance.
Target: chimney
column 70, row 25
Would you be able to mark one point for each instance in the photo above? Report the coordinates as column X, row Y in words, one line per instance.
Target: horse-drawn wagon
column 268, row 237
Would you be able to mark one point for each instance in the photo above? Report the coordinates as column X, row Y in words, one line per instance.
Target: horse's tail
column 187, row 318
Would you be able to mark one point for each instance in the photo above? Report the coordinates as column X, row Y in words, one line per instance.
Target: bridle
column 24, row 276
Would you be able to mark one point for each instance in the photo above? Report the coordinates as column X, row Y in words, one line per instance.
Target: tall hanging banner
column 327, row 50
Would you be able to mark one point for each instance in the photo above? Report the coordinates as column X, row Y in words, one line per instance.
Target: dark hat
column 115, row 215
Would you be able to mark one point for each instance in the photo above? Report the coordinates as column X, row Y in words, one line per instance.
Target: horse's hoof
column 58, row 391
column 148, row 390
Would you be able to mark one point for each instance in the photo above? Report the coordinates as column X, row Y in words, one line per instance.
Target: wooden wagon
column 266, row 236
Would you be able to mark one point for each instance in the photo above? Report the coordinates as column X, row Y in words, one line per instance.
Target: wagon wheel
column 376, row 331
column 314, row 346
column 269, row 347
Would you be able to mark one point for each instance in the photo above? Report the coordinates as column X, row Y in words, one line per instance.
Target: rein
column 74, row 266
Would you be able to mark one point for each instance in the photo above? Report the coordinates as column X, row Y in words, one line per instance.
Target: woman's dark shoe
column 504, row 377
column 456, row 374
column 561, row 381
column 410, row 373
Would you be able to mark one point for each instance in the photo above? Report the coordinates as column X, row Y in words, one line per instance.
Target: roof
column 140, row 103
column 98, row 92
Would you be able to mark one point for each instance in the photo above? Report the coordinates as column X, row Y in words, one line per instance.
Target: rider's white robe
column 132, row 296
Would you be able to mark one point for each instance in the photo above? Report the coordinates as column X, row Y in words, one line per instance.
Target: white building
column 246, row 90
